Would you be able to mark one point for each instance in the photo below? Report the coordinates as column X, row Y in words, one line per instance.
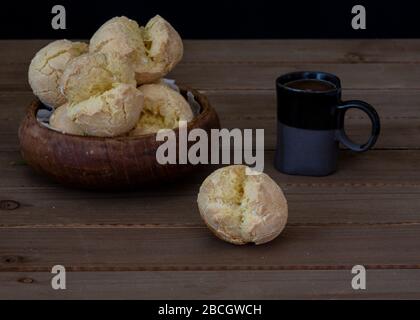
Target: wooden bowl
column 103, row 163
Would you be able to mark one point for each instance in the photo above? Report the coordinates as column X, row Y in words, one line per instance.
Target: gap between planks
column 197, row 226
column 243, row 89
column 290, row 62
column 238, row 90
column 72, row 268
column 54, row 186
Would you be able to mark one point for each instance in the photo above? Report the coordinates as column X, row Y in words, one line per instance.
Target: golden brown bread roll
column 47, row 67
column 92, row 74
column 241, row 208
column 61, row 121
column 164, row 48
column 153, row 50
column 109, row 114
column 163, row 109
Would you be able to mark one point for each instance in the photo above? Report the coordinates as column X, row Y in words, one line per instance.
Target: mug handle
column 373, row 116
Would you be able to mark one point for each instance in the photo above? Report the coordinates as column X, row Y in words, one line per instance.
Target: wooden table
column 151, row 243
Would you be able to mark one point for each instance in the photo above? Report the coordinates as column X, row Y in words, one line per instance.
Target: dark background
column 218, row 18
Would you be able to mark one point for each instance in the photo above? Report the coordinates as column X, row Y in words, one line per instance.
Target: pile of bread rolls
column 112, row 86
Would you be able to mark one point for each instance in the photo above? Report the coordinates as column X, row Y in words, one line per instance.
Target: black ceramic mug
column 310, row 120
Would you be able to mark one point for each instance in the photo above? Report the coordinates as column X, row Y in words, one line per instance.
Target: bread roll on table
column 241, row 208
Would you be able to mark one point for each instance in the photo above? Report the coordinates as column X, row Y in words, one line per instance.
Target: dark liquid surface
column 311, row 85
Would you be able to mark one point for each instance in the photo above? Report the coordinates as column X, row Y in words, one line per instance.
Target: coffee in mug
column 310, row 123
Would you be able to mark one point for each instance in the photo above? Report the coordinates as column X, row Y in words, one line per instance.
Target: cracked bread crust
column 163, row 109
column 92, row 74
column 47, row 66
column 240, row 208
column 61, row 121
column 153, row 50
column 109, row 114
column 164, row 49
column 119, row 34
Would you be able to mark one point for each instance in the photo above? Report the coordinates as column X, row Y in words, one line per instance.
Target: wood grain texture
column 263, row 76
column 283, row 284
column 61, row 208
column 389, row 179
column 375, row 169
column 314, row 51
column 151, row 243
column 155, row 249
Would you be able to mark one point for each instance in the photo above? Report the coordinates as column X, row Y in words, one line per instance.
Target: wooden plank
column 284, row 284
column 374, row 169
column 314, row 51
column 189, row 249
column 20, row 51
column 253, row 51
column 263, row 76
column 399, row 111
column 389, row 180
column 63, row 208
